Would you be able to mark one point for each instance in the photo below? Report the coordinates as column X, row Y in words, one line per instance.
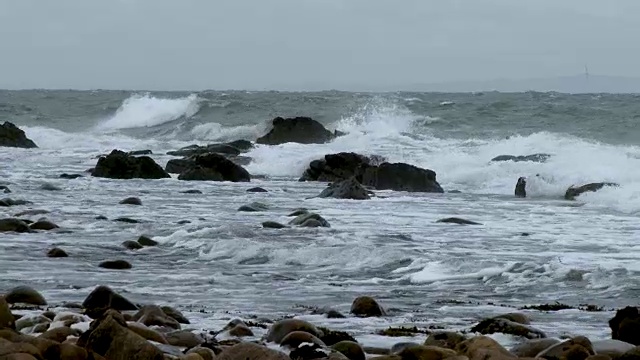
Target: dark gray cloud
column 258, row 44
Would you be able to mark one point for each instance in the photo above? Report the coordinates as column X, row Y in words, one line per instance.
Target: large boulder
column 574, row 192
column 301, row 130
column 340, row 166
column 625, row 325
column 12, row 136
column 215, row 167
column 233, row 149
column 25, row 295
column 110, row 337
column 401, row 177
column 120, row 165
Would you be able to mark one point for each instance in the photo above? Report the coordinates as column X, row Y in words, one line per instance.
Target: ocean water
column 223, row 264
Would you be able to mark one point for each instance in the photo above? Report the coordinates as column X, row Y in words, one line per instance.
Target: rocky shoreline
column 106, row 325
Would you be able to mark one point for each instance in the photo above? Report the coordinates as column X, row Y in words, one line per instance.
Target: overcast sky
column 267, row 44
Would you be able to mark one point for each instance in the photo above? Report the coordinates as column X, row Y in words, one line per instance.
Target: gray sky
column 258, row 44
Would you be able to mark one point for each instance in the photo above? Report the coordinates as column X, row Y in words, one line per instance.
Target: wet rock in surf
column 253, row 207
column 126, row 220
column 303, row 130
column 506, row 326
column 14, row 225
column 459, row 221
column 282, row 328
column 215, row 167
column 257, row 190
column 366, row 306
column 32, row 212
column 191, row 192
column 132, row 245
column 338, row 167
column 345, row 189
column 573, row 192
column 307, row 218
column 57, row 253
column 102, row 298
column 175, row 314
column 273, row 225
column 532, row 158
column 120, row 165
column 70, row 176
column 12, row 136
column 234, row 148
column 521, row 187
column 44, row 225
column 5, row 189
column 146, row 241
column 131, row 201
column 6, row 202
column 400, row 177
column 625, row 325
column 49, row 187
column 25, row 295
column 140, row 152
column 152, row 315
column 298, row 212
column 115, row 265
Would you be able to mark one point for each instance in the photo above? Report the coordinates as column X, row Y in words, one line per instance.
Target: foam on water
column 146, row 111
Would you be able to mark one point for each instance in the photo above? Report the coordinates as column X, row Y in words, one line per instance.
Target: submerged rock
column 506, row 326
column 257, row 190
column 5, row 189
column 132, row 245
column 273, row 225
column 6, row 202
column 401, row 177
column 253, row 207
column 102, row 298
column 346, row 189
column 301, row 130
column 115, row 265
column 146, row 241
column 120, row 165
column 456, row 220
column 366, row 306
column 14, row 225
column 625, row 325
column 70, row 176
column 131, row 201
column 12, row 136
column 573, row 192
column 57, row 253
column 306, row 217
column 49, row 187
column 43, row 225
column 533, row 158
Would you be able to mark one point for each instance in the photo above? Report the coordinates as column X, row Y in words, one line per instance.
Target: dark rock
column 215, row 167
column 57, row 253
column 131, row 201
column 101, row 217
column 226, row 149
column 444, row 339
column 12, row 136
column 242, row 145
column 5, row 189
column 504, row 326
column 126, row 220
column 282, row 328
column 298, row 212
column 573, row 192
column 103, row 298
column 301, row 130
column 109, row 337
column 120, row 165
column 253, row 207
column 49, row 187
column 147, row 241
column 26, row 295
column 338, row 167
column 521, row 187
column 192, row 192
column 115, row 265
column 257, row 190
column 515, row 317
column 533, row 158
column 175, row 314
column 13, row 225
column 6, row 202
column 365, row 306
column 345, row 189
column 183, row 222
column 625, row 325
column 455, row 220
column 350, row 349
column 400, row 177
column 301, row 219
column 295, row 338
column 152, row 315
column 140, row 152
column 333, row 314
column 43, row 225
column 273, row 225
column 70, row 176
column 132, row 245
column 331, row 337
